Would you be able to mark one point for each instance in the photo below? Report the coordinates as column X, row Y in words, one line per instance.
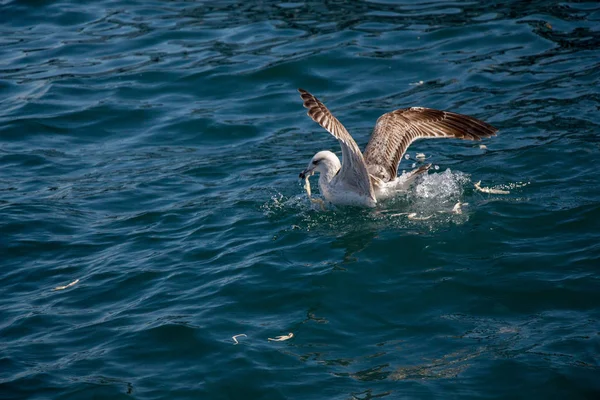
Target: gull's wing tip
column 304, row 93
column 309, row 101
column 492, row 131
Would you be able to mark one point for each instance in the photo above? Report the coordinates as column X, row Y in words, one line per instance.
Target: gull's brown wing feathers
column 354, row 170
column 396, row 130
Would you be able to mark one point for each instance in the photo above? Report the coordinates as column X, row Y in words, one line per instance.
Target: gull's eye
column 315, row 162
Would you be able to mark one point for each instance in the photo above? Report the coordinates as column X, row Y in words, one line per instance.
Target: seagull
column 363, row 179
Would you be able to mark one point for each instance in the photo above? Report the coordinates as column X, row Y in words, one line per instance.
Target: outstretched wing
column 396, row 130
column 354, row 170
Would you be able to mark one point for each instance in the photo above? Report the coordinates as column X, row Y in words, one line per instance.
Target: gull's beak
column 306, row 172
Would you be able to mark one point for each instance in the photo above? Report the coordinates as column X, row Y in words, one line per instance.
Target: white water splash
column 446, row 186
column 433, row 200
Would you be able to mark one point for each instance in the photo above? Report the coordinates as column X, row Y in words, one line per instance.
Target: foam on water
column 444, row 187
column 430, row 201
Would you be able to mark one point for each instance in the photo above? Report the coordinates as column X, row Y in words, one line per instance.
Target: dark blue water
column 151, row 151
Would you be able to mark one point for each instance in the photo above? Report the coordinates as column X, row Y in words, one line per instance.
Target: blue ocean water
column 149, row 152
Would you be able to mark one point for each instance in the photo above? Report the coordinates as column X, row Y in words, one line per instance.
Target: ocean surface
column 151, row 211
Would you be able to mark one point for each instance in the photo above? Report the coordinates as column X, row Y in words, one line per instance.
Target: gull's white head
column 324, row 162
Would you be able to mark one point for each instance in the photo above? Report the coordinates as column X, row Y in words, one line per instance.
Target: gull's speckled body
column 361, row 180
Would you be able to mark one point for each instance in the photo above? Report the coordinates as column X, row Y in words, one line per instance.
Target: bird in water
column 361, row 179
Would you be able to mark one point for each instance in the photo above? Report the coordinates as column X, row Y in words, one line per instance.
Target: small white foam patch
column 514, row 185
column 434, row 197
column 434, row 200
column 447, row 186
column 500, row 189
column 280, row 204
